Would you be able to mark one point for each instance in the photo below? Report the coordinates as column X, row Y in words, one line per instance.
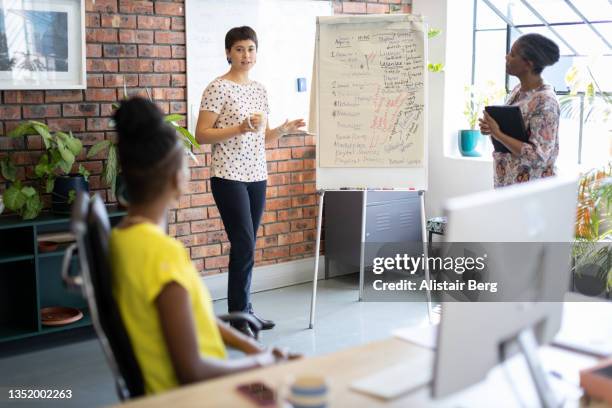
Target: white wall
column 450, row 175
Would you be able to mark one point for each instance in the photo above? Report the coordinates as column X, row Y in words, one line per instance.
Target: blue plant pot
column 468, row 142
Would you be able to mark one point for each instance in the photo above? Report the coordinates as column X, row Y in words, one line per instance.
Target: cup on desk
column 308, row 391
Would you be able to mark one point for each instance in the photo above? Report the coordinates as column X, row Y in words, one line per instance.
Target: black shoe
column 244, row 328
column 265, row 324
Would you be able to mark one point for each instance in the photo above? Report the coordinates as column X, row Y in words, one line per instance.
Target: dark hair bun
column 539, row 50
column 137, row 115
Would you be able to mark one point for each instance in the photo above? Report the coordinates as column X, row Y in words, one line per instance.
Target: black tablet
column 510, row 121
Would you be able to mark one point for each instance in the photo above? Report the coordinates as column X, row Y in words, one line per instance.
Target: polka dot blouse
column 243, row 157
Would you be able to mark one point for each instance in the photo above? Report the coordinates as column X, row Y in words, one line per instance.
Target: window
column 583, row 31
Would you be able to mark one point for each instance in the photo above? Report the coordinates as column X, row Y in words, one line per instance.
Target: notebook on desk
column 510, row 121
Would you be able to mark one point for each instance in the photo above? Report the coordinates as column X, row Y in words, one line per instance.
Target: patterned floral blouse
column 541, row 112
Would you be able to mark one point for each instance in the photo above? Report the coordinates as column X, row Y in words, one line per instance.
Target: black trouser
column 241, row 205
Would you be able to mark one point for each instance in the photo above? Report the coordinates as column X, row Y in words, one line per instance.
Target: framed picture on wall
column 42, row 44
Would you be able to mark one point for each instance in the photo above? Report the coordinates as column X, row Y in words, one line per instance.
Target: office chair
column 91, row 227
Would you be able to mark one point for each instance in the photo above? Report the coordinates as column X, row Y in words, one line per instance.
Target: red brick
column 202, row 199
column 154, row 80
column 169, row 37
column 92, row 20
column 75, row 125
column 275, row 252
column 353, row 7
column 41, row 111
column 178, row 51
column 300, row 225
column 278, row 203
column 105, row 6
column 309, row 164
column 173, row 9
column 310, row 140
column 154, row 51
column 178, row 80
column 291, row 238
column 290, row 190
column 291, row 141
column 136, row 65
column 304, row 200
column 169, row 93
column 279, row 179
column 190, row 214
column 267, row 242
column 63, row 96
column 118, row 80
column 23, row 97
column 178, row 23
column 305, row 248
column 97, row 124
column 301, row 177
column 373, row 8
column 290, row 165
column 154, row 23
column 81, row 109
column 268, row 217
column 10, row 112
column 271, row 192
column 205, row 251
column 118, row 21
column 94, row 50
column 90, row 139
column 102, row 65
column 278, row 154
column 136, row 7
column 291, row 214
column 103, row 95
column 120, row 50
column 303, row 152
column 169, row 65
column 204, row 226
column 178, row 107
column 277, row 228
column 108, row 35
column 136, row 36
column 216, row 262
column 95, row 80
column 310, row 188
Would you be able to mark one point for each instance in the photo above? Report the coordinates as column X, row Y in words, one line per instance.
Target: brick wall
column 141, row 44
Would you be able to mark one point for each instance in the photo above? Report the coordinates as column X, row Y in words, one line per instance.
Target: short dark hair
column 539, row 50
column 150, row 153
column 240, row 34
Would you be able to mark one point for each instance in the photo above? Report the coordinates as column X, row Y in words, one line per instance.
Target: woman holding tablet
column 528, row 57
column 233, row 119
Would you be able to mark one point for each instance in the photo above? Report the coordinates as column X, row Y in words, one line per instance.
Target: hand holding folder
column 510, row 121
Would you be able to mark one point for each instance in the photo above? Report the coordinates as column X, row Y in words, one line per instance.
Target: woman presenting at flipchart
column 233, row 119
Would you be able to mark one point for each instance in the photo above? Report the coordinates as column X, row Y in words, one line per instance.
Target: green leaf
column 188, row 136
column 67, row 156
column 43, row 131
column 28, row 191
column 433, row 32
column 71, row 196
column 173, row 118
column 49, row 184
column 13, row 197
column 33, row 207
column 84, row 172
column 42, row 167
column 24, row 128
column 98, row 147
column 73, row 144
column 435, row 67
column 8, row 169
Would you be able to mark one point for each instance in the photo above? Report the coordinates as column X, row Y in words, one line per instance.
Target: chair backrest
column 91, row 226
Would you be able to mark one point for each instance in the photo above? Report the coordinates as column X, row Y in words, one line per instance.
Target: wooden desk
column 344, row 367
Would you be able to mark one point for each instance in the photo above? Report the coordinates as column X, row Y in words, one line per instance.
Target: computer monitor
column 471, row 335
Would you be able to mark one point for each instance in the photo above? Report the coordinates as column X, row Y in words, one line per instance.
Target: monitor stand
column 529, row 348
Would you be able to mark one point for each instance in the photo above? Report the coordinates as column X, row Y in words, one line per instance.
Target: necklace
column 136, row 219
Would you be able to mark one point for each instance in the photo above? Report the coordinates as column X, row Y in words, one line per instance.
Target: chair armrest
column 241, row 317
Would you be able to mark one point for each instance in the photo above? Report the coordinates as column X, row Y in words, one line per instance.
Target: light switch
column 301, row 84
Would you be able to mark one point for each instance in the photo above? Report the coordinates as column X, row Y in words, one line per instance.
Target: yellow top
column 144, row 260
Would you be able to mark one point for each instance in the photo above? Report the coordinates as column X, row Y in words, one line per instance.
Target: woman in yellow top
column 166, row 309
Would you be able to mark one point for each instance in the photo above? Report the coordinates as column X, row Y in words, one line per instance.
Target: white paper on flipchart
column 424, row 336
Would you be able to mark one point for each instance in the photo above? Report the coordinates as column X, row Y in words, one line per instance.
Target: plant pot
column 61, row 201
column 468, row 142
column 121, row 192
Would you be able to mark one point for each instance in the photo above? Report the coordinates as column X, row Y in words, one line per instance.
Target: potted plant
column 52, row 172
column 592, row 250
column 476, row 99
column 111, row 172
